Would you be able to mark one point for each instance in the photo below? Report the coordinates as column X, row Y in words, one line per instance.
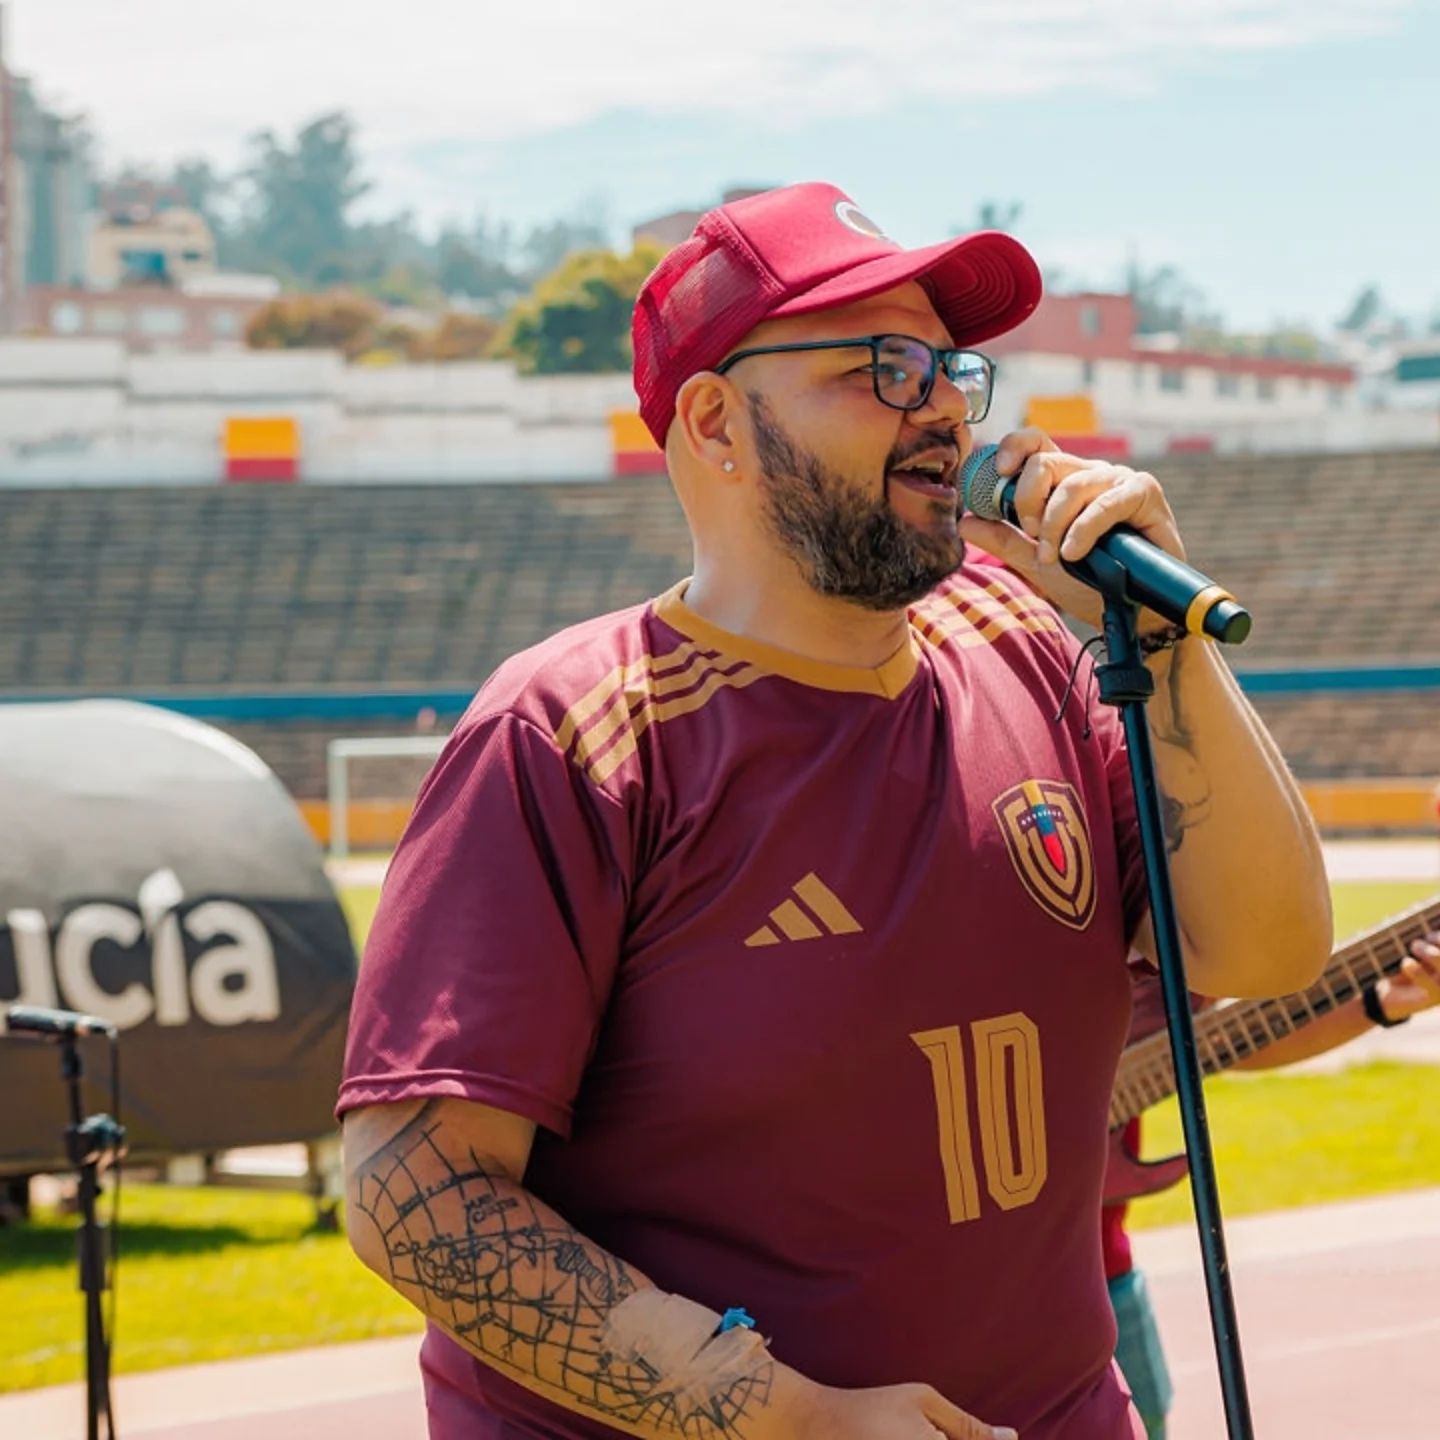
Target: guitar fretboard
column 1239, row 1028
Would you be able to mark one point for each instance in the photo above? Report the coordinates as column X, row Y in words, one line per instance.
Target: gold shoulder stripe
column 636, row 691
column 966, row 631
column 674, row 661
column 1020, row 603
column 936, row 623
column 977, row 617
column 653, row 711
column 1002, row 610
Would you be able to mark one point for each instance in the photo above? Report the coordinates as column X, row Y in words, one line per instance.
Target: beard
column 847, row 543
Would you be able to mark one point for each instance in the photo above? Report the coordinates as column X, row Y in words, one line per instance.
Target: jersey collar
column 887, row 680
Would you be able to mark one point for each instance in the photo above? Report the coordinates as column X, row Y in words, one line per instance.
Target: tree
column 457, row 337
column 1364, row 310
column 344, row 322
column 1166, row 302
column 302, row 194
column 477, row 265
column 547, row 245
column 998, row 215
column 577, row 320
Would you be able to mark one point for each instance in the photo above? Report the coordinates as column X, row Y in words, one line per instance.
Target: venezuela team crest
column 1044, row 829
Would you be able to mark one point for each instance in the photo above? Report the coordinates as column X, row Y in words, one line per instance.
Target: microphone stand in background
column 1125, row 683
column 91, row 1142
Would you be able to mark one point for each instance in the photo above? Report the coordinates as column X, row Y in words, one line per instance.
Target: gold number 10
column 1011, row 1115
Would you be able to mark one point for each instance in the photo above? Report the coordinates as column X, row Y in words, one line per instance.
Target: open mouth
column 932, row 476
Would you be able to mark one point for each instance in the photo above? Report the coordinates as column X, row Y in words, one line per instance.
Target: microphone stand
column 90, row 1142
column 1125, row 683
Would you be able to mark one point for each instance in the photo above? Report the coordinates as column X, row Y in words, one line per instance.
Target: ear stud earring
column 728, row 467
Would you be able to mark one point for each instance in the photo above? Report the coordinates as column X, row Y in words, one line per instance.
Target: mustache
column 926, row 445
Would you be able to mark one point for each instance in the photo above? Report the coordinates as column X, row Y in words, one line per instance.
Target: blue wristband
column 735, row 1319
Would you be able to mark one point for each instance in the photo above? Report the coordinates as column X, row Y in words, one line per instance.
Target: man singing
column 733, row 1047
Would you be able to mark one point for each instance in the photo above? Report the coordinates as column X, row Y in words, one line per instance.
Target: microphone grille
column 981, row 483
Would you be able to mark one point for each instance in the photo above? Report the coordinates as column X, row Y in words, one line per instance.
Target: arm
column 1245, row 859
column 435, row 1206
column 1416, row 988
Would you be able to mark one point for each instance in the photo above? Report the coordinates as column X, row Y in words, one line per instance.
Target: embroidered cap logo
column 853, row 218
column 1044, row 829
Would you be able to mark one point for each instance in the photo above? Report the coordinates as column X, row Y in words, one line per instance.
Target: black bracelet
column 1375, row 1012
column 1157, row 640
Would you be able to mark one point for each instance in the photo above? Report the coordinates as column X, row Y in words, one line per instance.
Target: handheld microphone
column 1153, row 578
column 37, row 1020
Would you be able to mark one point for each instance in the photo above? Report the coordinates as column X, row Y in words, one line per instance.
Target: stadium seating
column 363, row 588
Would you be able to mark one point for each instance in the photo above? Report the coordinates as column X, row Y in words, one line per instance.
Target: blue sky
column 1281, row 154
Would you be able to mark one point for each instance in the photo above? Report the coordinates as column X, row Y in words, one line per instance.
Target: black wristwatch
column 1375, row 1012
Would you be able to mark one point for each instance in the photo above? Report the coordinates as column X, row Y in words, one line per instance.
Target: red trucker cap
column 796, row 250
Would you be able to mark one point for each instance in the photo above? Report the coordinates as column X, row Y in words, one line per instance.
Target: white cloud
column 168, row 77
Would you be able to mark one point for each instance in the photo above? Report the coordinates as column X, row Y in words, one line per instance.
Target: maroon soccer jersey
column 814, row 976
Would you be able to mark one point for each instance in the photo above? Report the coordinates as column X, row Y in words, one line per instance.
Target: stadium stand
column 288, row 589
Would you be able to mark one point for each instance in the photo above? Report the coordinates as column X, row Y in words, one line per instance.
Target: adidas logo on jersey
column 812, row 910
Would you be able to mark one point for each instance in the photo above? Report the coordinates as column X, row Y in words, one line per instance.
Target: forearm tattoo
column 1185, row 789
column 505, row 1275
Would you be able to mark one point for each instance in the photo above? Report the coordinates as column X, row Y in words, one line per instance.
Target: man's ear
column 708, row 423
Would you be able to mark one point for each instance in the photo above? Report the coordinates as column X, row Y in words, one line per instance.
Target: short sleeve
column 492, row 953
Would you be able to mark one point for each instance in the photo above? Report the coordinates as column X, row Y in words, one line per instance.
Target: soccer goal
column 376, row 776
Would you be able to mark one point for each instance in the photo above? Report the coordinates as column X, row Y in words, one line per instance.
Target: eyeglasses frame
column 872, row 342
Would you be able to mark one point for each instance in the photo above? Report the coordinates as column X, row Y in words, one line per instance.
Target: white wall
column 1297, row 415
column 87, row 411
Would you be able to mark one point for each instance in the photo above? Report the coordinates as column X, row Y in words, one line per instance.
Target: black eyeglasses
column 904, row 369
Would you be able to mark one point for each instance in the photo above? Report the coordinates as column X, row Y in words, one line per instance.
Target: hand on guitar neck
column 1400, row 959
column 1417, row 986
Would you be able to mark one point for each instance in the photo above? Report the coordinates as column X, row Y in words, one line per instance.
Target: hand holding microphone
column 1089, row 515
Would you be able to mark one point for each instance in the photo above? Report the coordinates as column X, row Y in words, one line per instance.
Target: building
column 147, row 235
column 209, row 312
column 49, row 189
column 1079, row 368
column 46, row 188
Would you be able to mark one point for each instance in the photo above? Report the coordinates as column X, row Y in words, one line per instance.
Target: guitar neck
column 1233, row 1031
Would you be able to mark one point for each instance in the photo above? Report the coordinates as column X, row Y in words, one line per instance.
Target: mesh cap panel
column 702, row 298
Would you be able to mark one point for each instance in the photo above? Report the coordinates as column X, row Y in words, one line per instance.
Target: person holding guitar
column 1362, row 987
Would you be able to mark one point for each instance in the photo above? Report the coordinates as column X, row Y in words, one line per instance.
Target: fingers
column 1417, row 986
column 1018, row 446
column 1066, row 503
column 1422, row 969
column 1084, row 506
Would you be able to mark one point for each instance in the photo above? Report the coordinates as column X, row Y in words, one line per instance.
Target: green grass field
column 207, row 1274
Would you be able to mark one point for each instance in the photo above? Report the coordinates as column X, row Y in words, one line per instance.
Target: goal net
column 371, row 783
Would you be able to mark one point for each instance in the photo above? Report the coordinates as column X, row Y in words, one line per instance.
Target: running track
column 1339, row 1309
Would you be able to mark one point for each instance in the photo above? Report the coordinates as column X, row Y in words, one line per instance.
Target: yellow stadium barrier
column 261, row 437
column 1063, row 414
column 1337, row 805
column 1372, row 804
column 374, row 824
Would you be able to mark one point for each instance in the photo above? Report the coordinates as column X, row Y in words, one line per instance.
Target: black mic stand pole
column 1125, row 683
column 89, row 1142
